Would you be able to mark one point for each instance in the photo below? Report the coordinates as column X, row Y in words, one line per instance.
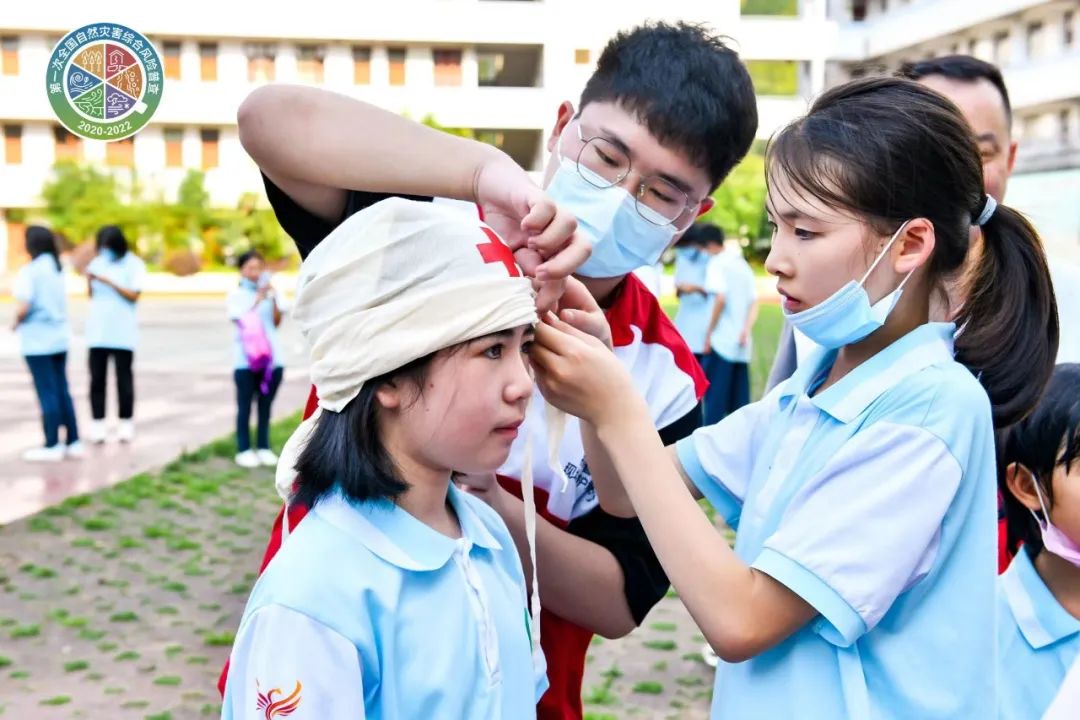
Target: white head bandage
column 396, row 282
column 393, row 283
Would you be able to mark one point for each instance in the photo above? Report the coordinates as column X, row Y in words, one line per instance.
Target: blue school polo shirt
column 240, row 301
column 695, row 309
column 40, row 285
column 366, row 612
column 1038, row 641
column 111, row 322
column 875, row 501
column 732, row 278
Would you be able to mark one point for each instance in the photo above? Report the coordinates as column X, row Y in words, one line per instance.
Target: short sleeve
column 719, row 458
column 684, row 270
column 715, row 276
column 890, row 486
column 284, row 663
column 23, row 287
column 136, row 274
column 236, row 304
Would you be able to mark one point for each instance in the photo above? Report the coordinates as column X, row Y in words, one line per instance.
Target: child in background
column 1039, row 594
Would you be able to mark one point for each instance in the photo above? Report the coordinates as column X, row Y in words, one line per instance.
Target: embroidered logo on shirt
column 582, row 478
column 277, row 708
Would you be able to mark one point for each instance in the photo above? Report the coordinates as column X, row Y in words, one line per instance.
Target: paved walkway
column 184, row 398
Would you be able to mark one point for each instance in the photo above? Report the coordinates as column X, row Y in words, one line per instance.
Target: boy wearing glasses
column 666, row 115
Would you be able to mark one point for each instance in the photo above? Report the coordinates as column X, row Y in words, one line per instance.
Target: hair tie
column 988, row 208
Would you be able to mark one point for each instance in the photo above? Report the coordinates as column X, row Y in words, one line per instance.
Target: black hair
column 112, row 238
column 41, row 241
column 959, row 67
column 1046, row 439
column 701, row 234
column 244, row 257
column 345, row 448
column 889, row 150
column 688, row 87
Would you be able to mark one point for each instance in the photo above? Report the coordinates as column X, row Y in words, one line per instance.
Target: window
column 447, row 67
column 1035, row 45
column 1064, row 127
column 309, row 63
column 174, row 147
column 1001, row 48
column 260, row 62
column 66, row 146
column 973, row 45
column 171, row 51
column 208, row 62
column 9, row 47
column 120, row 153
column 209, row 149
column 581, row 56
column 397, row 65
column 1068, row 32
column 361, row 58
column 13, row 144
column 509, row 65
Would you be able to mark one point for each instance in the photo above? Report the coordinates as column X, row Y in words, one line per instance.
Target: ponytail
column 1009, row 321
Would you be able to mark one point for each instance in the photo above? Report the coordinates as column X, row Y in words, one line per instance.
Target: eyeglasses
column 603, row 164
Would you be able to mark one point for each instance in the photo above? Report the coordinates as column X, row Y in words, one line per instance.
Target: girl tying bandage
column 399, row 596
column 862, row 490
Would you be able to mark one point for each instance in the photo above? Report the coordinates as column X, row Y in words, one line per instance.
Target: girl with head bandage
column 400, row 595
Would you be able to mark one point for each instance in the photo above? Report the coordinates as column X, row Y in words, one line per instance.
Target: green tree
column 431, row 122
column 770, row 7
column 740, row 200
column 80, row 199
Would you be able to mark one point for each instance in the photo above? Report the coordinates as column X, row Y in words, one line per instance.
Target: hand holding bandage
column 542, row 235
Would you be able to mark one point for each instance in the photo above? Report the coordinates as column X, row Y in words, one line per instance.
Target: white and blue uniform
column 732, row 278
column 111, row 323
column 40, row 285
column 240, row 301
column 874, row 500
column 695, row 309
column 1038, row 641
column 366, row 612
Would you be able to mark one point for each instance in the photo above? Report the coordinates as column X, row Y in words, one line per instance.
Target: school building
column 1036, row 44
column 497, row 67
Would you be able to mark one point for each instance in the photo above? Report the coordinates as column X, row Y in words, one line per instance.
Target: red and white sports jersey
column 665, row 372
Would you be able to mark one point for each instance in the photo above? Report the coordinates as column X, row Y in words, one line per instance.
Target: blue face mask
column 688, row 254
column 847, row 316
column 622, row 240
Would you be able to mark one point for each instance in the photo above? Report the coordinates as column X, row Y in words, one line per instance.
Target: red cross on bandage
column 495, row 250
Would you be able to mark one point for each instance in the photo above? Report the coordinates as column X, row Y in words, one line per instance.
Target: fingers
column 549, row 239
column 528, row 261
column 542, row 212
column 548, row 294
column 552, row 233
column 568, row 259
column 593, row 324
column 577, row 297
